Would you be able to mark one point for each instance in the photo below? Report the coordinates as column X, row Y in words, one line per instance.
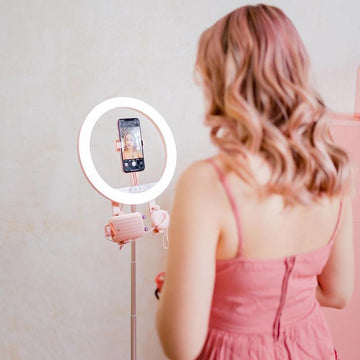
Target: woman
column 130, row 149
column 260, row 234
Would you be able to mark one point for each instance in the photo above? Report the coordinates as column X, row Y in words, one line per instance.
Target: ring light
column 128, row 196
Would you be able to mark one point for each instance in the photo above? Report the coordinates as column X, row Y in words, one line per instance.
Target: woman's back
column 264, row 303
column 247, row 278
column 272, row 232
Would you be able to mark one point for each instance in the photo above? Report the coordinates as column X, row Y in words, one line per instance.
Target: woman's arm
column 336, row 281
column 185, row 300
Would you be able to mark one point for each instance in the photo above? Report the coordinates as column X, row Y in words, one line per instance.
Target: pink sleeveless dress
column 267, row 309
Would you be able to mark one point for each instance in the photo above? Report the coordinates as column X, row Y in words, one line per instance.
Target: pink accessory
column 123, row 227
column 160, row 278
column 160, row 219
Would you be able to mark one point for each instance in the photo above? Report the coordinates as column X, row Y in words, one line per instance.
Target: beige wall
column 64, row 289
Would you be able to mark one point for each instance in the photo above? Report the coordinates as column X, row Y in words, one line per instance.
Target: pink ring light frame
column 87, row 163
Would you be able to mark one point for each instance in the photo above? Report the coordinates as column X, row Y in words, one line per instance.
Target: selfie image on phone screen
column 132, row 151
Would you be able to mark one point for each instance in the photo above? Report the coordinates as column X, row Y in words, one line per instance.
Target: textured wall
column 64, row 289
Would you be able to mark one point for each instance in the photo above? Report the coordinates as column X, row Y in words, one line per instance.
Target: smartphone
column 132, row 146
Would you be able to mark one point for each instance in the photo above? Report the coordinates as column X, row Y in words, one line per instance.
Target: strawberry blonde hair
column 255, row 74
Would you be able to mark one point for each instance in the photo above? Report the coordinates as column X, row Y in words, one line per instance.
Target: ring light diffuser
column 118, row 195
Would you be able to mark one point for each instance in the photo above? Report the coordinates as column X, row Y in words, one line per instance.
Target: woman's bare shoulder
column 201, row 174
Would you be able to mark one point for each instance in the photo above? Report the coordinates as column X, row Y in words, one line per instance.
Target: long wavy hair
column 254, row 70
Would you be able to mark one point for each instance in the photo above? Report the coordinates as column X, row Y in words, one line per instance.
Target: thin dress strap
column 337, row 224
column 232, row 202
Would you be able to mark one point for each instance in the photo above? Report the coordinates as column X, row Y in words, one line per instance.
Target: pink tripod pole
column 134, row 181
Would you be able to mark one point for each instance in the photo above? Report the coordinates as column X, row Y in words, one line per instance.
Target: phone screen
column 132, row 149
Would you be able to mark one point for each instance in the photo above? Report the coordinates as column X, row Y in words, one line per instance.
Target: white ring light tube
column 87, row 164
